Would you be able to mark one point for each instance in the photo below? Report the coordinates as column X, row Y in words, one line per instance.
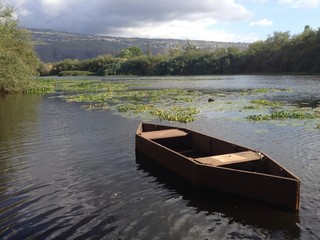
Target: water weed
column 135, row 108
column 268, row 90
column 283, row 115
column 172, row 104
column 85, row 97
column 78, row 85
column 179, row 116
column 183, row 99
column 265, row 102
column 262, row 90
column 40, row 87
column 251, row 107
column 97, row 106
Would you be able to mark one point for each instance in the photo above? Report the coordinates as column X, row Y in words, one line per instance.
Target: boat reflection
column 211, row 202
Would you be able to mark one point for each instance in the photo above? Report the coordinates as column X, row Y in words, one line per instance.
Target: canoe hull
column 273, row 184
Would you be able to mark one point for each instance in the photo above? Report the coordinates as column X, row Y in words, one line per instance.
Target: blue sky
column 215, row 20
column 289, row 16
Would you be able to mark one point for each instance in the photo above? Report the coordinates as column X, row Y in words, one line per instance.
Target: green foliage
column 167, row 104
column 250, row 107
column 190, row 48
column 64, row 66
column 284, row 53
column 267, row 90
column 74, row 73
column 105, row 89
column 139, row 108
column 279, row 53
column 179, row 114
column 131, row 52
column 283, row 115
column 182, row 99
column 262, row 90
column 44, row 69
column 38, row 86
column 265, row 102
column 18, row 60
column 97, row 106
column 111, row 68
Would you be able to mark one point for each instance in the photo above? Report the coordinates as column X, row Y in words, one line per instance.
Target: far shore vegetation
column 279, row 53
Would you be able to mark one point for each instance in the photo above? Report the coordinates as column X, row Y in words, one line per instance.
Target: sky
column 211, row 20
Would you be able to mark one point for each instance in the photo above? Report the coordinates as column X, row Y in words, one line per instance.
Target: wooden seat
column 224, row 159
column 168, row 133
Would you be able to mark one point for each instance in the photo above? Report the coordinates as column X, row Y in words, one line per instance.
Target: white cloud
column 184, row 30
column 176, row 19
column 53, row 8
column 301, row 3
column 259, row 1
column 24, row 12
column 263, row 22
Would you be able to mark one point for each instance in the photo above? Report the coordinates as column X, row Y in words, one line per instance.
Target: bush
column 18, row 60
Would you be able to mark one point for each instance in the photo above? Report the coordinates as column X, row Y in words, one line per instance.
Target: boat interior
column 210, row 151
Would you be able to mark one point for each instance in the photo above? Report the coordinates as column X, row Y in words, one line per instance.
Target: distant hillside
column 54, row 46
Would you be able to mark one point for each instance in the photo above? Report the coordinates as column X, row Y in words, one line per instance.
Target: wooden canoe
column 227, row 167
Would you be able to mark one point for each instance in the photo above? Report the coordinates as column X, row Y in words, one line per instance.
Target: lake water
column 67, row 173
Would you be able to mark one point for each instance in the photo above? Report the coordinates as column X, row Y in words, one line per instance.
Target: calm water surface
column 66, row 173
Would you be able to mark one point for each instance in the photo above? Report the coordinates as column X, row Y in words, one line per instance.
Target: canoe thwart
column 167, row 133
column 224, row 159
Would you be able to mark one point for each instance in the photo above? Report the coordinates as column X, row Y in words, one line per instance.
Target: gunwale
column 282, row 182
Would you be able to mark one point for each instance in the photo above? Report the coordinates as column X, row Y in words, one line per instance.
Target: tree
column 131, row 52
column 190, row 48
column 18, row 59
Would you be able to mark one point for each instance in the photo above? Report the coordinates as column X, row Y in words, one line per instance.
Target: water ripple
column 70, row 174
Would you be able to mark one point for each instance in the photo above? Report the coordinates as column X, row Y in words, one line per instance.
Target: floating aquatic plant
column 251, row 107
column 89, row 97
column 262, row 90
column 267, row 90
column 183, row 99
column 40, row 87
column 97, row 106
column 283, row 115
column 187, row 110
column 135, row 108
column 168, row 104
column 265, row 102
column 180, row 114
column 136, row 101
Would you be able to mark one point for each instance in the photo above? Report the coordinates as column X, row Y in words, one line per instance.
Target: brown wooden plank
column 220, row 160
column 168, row 133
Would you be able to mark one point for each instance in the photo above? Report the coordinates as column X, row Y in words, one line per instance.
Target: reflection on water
column 310, row 103
column 212, row 203
column 66, row 173
column 16, row 111
column 18, row 116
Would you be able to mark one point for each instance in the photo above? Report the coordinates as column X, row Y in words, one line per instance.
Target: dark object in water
column 211, row 99
column 209, row 162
